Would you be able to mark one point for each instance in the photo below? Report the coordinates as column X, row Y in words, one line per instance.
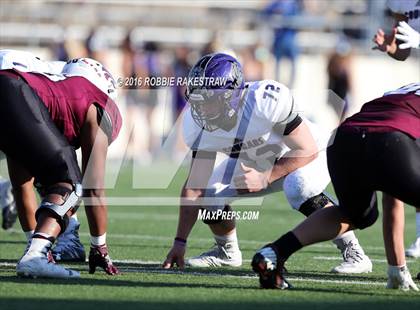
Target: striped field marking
column 215, row 274
column 193, row 239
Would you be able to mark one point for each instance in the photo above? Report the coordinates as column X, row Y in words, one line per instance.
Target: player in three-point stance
column 377, row 149
column 270, row 147
column 52, row 115
column 398, row 44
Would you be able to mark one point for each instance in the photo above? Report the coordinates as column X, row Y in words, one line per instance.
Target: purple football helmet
column 214, row 90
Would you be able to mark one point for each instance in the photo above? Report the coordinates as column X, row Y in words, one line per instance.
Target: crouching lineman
column 404, row 38
column 257, row 126
column 69, row 110
column 68, row 246
column 377, row 149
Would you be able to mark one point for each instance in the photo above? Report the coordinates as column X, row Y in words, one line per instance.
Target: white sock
column 39, row 245
column 344, row 239
column 29, row 234
column 418, row 225
column 99, row 240
column 347, row 237
column 229, row 238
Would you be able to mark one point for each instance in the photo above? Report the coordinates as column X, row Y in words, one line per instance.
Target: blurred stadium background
column 319, row 44
column 326, row 43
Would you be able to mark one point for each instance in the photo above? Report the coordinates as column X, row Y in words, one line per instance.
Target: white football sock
column 39, row 245
column 230, row 238
column 418, row 225
column 28, row 234
column 99, row 240
column 344, row 239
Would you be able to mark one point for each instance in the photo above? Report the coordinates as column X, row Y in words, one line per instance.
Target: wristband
column 180, row 241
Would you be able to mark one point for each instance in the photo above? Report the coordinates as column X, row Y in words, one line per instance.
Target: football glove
column 99, row 257
column 409, row 37
column 400, row 278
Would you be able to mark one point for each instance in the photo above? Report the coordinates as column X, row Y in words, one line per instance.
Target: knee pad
column 217, row 219
column 71, row 199
column 315, row 203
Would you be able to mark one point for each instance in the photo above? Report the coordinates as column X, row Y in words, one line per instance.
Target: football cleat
column 414, row 249
column 269, row 269
column 400, row 278
column 218, row 256
column 68, row 247
column 9, row 213
column 37, row 265
column 354, row 260
column 99, row 257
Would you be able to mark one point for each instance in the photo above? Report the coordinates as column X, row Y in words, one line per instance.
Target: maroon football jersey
column 393, row 112
column 68, row 101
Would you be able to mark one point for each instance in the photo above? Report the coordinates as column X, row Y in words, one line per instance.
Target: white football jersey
column 413, row 87
column 27, row 62
column 266, row 103
column 409, row 8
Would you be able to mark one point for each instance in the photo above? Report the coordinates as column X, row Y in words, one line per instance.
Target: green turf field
column 139, row 238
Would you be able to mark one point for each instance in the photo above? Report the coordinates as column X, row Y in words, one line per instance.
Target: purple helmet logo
column 214, row 90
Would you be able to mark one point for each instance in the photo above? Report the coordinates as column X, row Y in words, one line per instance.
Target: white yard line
column 375, row 260
column 214, row 274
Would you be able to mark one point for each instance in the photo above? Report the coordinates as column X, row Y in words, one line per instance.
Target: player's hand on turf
column 408, row 36
column 385, row 43
column 99, row 257
column 175, row 257
column 251, row 181
column 400, row 278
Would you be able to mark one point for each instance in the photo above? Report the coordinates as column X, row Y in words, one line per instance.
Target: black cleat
column 270, row 277
column 9, row 213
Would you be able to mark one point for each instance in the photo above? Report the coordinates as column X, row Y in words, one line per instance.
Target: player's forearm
column 188, row 212
column 393, row 230
column 187, row 218
column 96, row 211
column 290, row 163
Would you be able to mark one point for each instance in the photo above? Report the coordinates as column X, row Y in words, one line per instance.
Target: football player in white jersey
column 27, row 62
column 269, row 147
column 405, row 36
column 68, row 246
